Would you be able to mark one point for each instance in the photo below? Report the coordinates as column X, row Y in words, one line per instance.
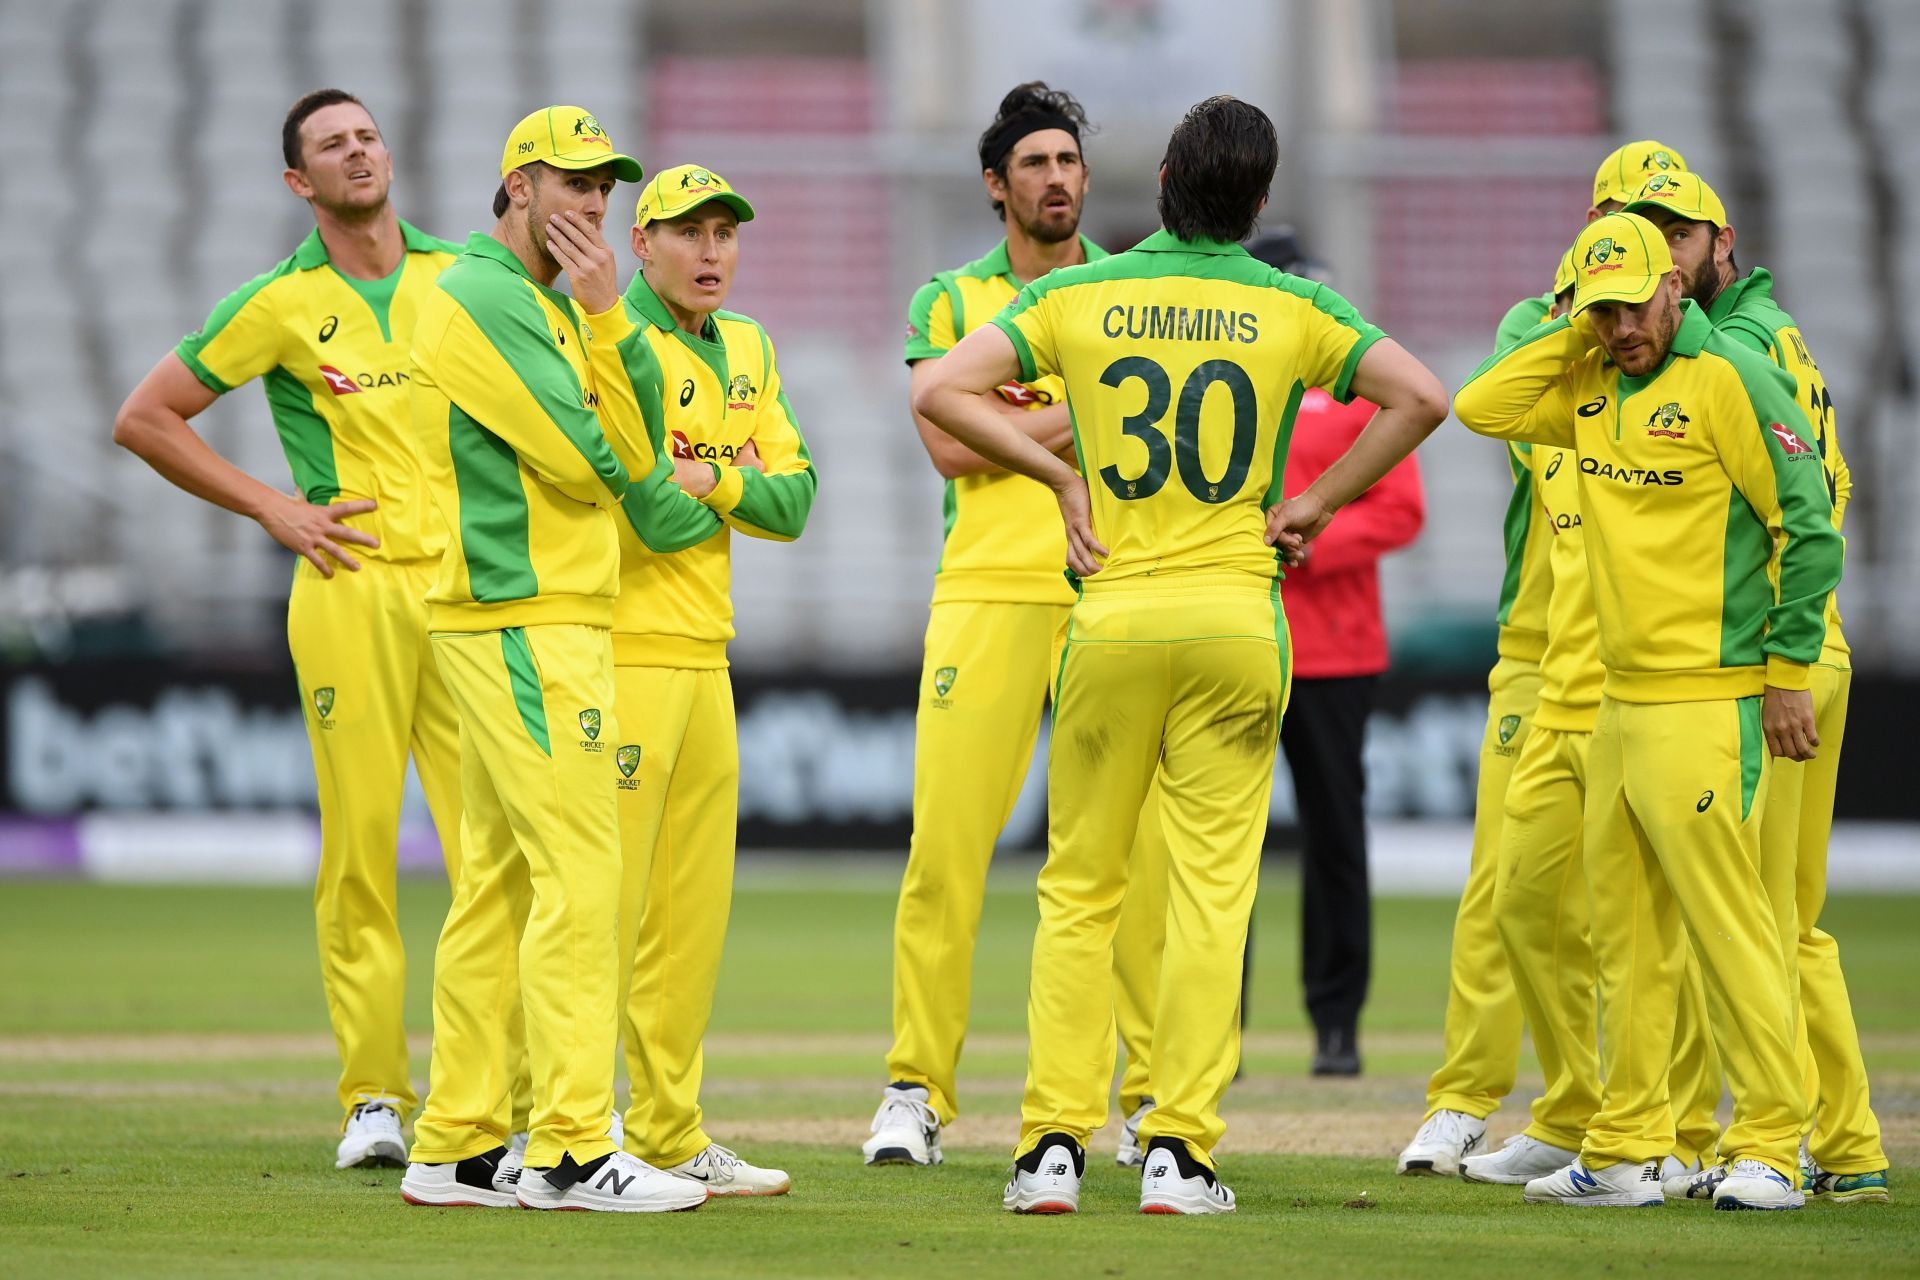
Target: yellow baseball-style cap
column 1619, row 258
column 1685, row 194
column 1563, row 274
column 566, row 138
column 677, row 192
column 1621, row 173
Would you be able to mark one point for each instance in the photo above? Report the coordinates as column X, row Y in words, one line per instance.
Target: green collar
column 482, row 245
column 1757, row 282
column 313, row 250
column 1000, row 263
column 1164, row 241
column 649, row 304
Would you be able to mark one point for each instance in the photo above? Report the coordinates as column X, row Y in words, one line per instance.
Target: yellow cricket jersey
column 1746, row 312
column 1004, row 540
column 1528, row 580
column 1570, row 670
column 714, row 391
column 504, row 407
column 331, row 352
column 1708, row 527
column 1184, row 362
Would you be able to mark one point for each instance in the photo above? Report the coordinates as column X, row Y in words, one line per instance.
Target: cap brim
column 625, row 168
column 1634, row 291
column 1690, row 215
column 733, row 200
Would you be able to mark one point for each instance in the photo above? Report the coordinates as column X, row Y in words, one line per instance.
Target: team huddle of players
column 1667, row 625
column 532, row 494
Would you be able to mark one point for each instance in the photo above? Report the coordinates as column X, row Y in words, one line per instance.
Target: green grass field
column 166, row 1109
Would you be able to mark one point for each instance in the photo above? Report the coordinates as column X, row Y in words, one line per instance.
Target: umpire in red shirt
column 1339, row 650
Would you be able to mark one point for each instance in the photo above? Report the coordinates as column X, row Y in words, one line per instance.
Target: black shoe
column 1336, row 1052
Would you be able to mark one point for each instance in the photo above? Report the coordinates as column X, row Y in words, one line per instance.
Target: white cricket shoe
column 1521, row 1161
column 1172, row 1181
column 1444, row 1140
column 372, row 1139
column 905, row 1128
column 1047, row 1178
column 1130, row 1156
column 1698, row 1186
column 1622, row 1185
column 1753, row 1184
column 473, row 1183
column 723, row 1173
column 1676, row 1176
column 618, row 1183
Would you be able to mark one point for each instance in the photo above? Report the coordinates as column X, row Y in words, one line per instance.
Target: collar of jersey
column 648, row 304
column 1164, row 241
column 999, row 263
column 313, row 250
column 1758, row 282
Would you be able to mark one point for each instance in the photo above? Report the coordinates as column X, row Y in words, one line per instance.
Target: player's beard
column 537, row 229
column 1704, row 285
column 1042, row 228
column 1658, row 344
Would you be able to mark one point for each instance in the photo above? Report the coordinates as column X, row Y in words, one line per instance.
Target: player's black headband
column 1007, row 134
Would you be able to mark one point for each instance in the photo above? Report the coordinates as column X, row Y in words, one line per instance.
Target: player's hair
column 297, row 116
column 1218, row 168
column 500, row 197
column 1035, row 99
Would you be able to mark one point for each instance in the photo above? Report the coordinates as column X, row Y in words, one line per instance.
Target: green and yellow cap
column 677, row 192
column 1622, row 173
column 1563, row 274
column 1686, row 195
column 1619, row 258
column 566, row 138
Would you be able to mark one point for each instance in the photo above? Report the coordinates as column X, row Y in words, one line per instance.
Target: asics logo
column 1592, row 407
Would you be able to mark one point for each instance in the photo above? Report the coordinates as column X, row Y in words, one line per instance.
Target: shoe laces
column 1755, row 1169
column 897, row 1103
column 375, row 1111
column 723, row 1159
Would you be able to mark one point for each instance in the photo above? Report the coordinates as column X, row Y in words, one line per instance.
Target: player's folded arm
column 498, row 363
column 1786, row 487
column 773, row 502
column 627, row 379
column 1526, row 392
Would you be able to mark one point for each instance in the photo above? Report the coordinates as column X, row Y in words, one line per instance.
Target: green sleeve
column 922, row 344
column 1515, row 529
column 663, row 515
column 240, row 340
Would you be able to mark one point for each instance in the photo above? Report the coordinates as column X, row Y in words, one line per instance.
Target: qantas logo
column 1790, row 443
column 1014, row 393
column 337, row 382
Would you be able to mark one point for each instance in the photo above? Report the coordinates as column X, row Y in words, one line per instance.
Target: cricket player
column 1483, row 1019
column 1712, row 552
column 505, row 392
column 1184, row 360
column 327, row 331
column 736, row 448
column 1846, row 1160
column 999, row 600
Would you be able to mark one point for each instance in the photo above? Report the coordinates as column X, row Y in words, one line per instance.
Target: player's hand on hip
column 1085, row 554
column 582, row 252
column 1786, row 717
column 1294, row 523
column 317, row 531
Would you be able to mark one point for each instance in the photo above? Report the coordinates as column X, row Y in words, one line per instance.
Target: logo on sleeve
column 1669, row 420
column 590, row 725
column 337, row 382
column 1014, row 393
column 1790, row 444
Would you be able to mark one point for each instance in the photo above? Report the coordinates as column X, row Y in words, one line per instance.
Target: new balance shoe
column 905, row 1128
column 371, row 1139
column 723, row 1173
column 1624, row 1185
column 1844, row 1188
column 1522, row 1160
column 1752, row 1184
column 1047, row 1178
column 1172, row 1181
column 472, row 1183
column 616, row 1183
column 512, row 1164
column 1676, row 1176
column 1444, row 1140
column 1130, row 1156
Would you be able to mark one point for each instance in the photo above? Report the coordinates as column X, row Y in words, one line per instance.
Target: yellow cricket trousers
column 533, row 919
column 679, row 786
column 1541, row 904
column 370, row 694
column 1675, row 795
column 1188, row 677
column 982, row 689
column 1482, row 1035
column 1793, row 851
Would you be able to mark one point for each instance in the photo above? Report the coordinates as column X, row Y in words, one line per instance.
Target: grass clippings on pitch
column 166, row 1084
